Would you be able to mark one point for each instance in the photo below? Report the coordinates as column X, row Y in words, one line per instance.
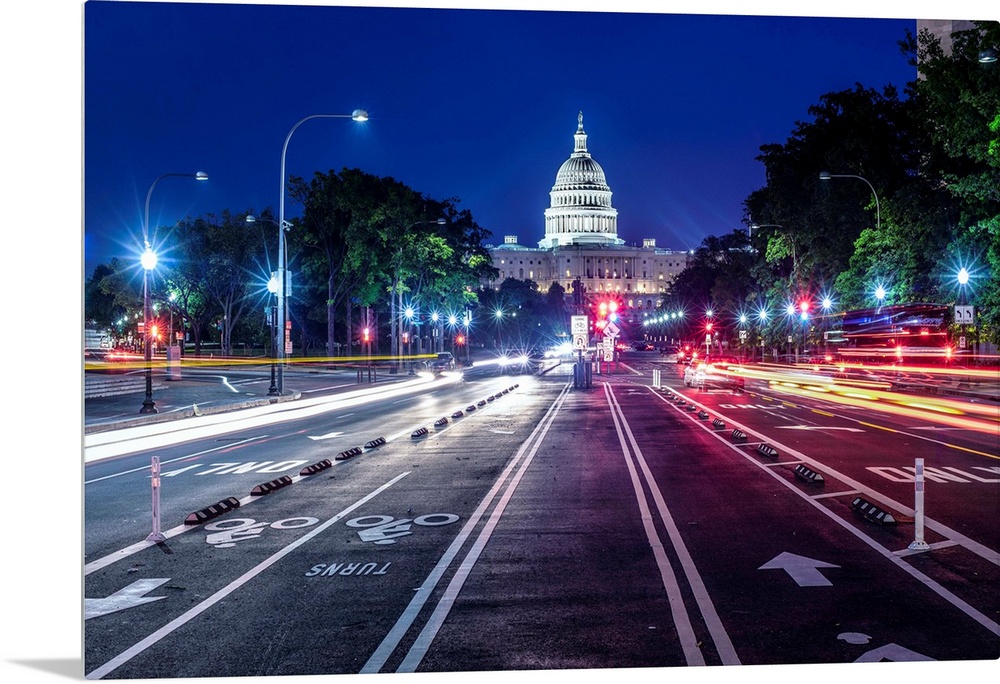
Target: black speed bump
column 377, row 442
column 440, row 421
column 807, row 474
column 316, row 467
column 350, row 453
column 457, row 414
column 739, row 435
column 419, row 432
column 213, row 511
column 719, row 423
column 273, row 485
column 767, row 450
column 872, row 513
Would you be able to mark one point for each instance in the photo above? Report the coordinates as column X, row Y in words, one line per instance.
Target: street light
column 148, row 261
column 826, row 175
column 272, row 288
column 358, row 115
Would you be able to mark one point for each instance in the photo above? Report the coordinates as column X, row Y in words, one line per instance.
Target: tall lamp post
column 358, row 115
column 826, row 175
column 148, row 262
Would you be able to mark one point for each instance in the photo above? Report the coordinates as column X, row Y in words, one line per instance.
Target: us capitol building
column 581, row 241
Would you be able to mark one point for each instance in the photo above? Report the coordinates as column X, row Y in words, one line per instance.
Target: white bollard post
column 156, row 535
column 918, row 507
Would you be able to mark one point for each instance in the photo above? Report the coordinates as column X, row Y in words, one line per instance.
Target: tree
column 216, row 271
column 959, row 100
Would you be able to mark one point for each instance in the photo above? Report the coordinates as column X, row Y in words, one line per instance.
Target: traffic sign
column 579, row 342
column 578, row 325
column 611, row 330
column 965, row 314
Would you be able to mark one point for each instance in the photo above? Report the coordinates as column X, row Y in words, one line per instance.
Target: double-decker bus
column 900, row 332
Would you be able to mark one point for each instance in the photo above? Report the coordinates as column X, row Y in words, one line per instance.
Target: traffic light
column 459, row 339
column 154, row 331
column 708, row 327
column 406, row 337
column 365, row 336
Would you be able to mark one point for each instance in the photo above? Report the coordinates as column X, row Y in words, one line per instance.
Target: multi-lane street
column 551, row 527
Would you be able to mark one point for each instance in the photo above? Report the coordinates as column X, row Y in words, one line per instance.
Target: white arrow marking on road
column 131, row 596
column 328, row 435
column 818, row 427
column 801, row 569
column 892, row 652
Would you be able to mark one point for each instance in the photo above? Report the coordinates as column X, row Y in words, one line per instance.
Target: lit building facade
column 581, row 242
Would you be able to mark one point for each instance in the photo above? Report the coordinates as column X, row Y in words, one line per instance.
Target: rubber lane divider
column 316, row 467
column 489, row 398
column 377, row 442
column 767, row 450
column 457, row 414
column 691, row 407
column 703, row 415
column 470, row 408
column 440, row 421
column 498, row 395
column 739, row 436
column 872, row 513
column 719, row 423
column 505, row 391
column 481, row 402
column 213, row 511
column 419, row 432
column 273, row 485
column 808, row 474
column 350, row 453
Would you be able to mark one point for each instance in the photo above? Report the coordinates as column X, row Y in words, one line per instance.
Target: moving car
column 443, row 362
column 715, row 372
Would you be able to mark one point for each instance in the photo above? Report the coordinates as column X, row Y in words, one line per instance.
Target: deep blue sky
column 478, row 105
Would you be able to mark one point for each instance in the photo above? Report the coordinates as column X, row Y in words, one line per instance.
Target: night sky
column 475, row 105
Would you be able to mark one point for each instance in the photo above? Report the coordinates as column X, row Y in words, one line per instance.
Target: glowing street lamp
column 148, row 261
column 358, row 115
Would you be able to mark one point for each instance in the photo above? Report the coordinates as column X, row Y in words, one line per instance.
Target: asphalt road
column 551, row 528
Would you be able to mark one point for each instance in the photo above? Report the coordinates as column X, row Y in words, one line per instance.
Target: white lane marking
column 682, row 621
column 723, row 644
column 405, row 620
column 423, row 641
column 115, row 556
column 179, row 458
column 200, row 608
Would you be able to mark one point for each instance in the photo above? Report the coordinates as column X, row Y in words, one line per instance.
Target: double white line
column 682, row 620
column 504, row 488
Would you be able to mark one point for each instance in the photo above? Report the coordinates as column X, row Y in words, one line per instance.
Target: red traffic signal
column 459, row 339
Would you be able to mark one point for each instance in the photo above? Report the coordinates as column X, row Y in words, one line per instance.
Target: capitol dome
column 580, row 210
